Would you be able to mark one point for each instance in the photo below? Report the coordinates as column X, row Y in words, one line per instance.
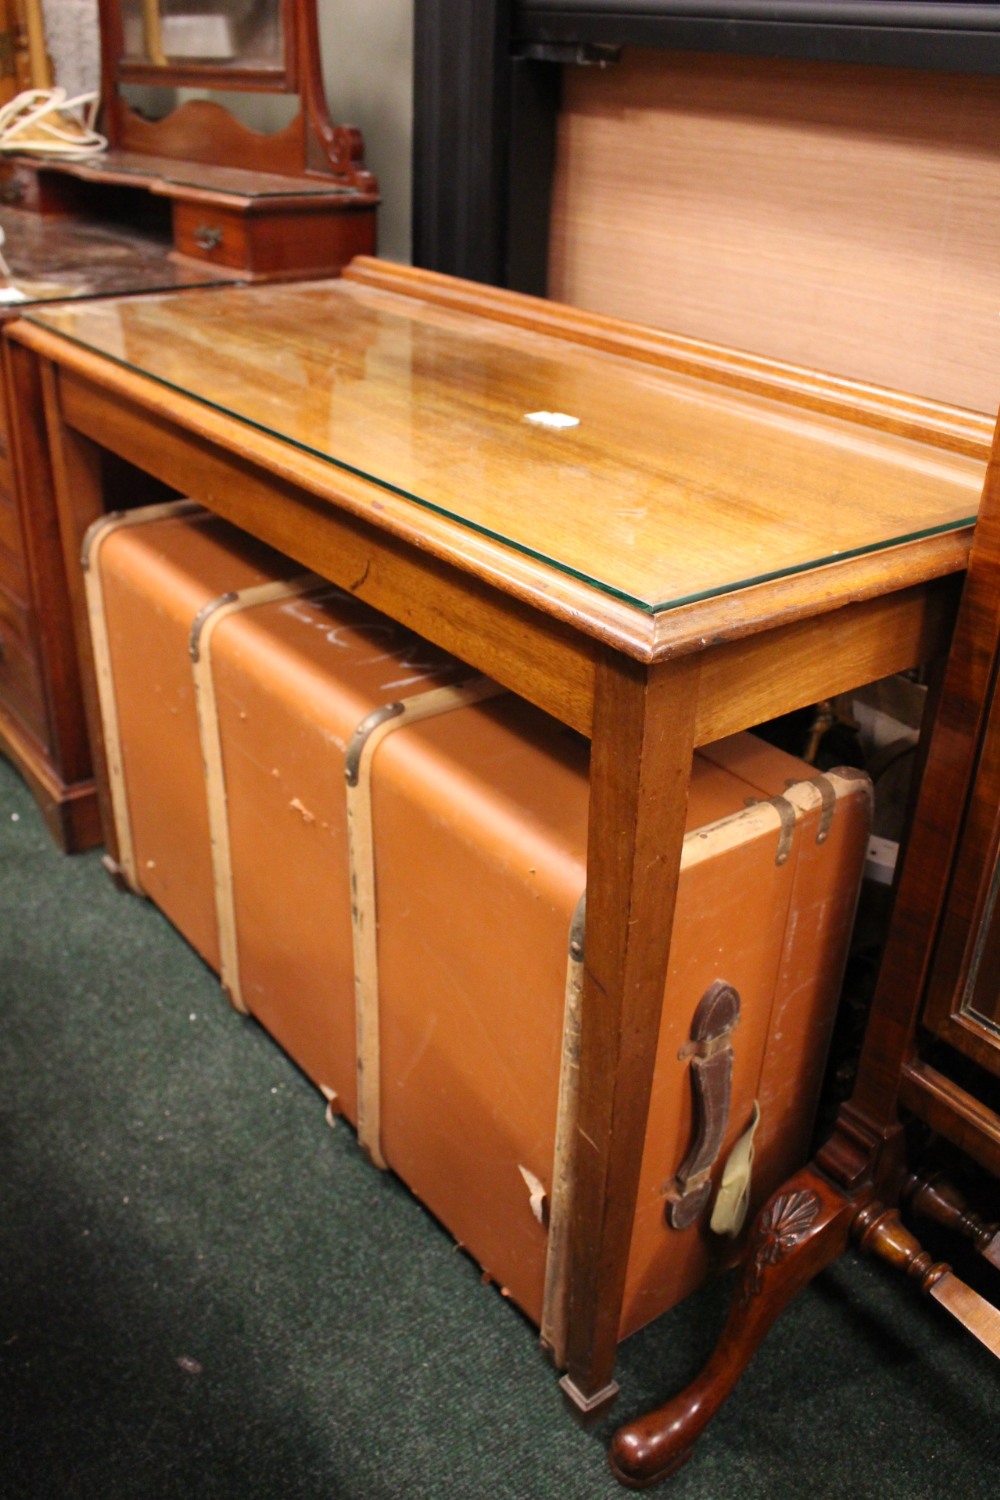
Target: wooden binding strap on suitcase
column 394, row 851
column 361, row 854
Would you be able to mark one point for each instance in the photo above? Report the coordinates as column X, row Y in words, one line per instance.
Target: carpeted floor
column 206, row 1292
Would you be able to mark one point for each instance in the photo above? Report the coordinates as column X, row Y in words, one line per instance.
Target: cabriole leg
column 801, row 1229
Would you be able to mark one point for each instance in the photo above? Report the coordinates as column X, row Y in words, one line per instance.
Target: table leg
column 802, row 1228
column 640, row 769
column 78, row 481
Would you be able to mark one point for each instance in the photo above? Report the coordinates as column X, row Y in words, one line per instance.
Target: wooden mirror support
column 931, row 1055
column 204, row 130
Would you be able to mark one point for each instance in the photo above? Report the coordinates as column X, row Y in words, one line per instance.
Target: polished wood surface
column 835, row 215
column 196, row 180
column 666, row 489
column 644, row 691
column 800, row 1230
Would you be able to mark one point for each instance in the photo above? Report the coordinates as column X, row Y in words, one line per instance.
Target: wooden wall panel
column 836, row 216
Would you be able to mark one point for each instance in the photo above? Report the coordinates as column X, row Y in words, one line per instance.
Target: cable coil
column 46, row 122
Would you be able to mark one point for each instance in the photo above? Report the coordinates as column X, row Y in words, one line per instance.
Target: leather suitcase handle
column 711, row 1074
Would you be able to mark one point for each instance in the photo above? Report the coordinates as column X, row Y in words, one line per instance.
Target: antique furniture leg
column 937, row 1199
column 803, row 1227
column 640, row 767
column 880, row 1231
column 76, row 464
column 863, row 1156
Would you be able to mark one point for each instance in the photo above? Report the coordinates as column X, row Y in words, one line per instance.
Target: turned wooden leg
column 802, row 1228
column 940, row 1201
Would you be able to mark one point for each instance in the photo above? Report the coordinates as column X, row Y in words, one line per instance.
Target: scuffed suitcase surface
column 156, row 570
column 293, row 682
column 480, row 827
column 473, row 968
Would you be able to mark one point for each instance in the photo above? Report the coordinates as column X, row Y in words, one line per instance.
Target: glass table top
column 45, row 260
column 657, row 488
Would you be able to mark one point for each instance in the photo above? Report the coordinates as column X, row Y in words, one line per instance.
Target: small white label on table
column 557, row 419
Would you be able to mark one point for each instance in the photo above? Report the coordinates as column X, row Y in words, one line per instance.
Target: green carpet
column 206, row 1292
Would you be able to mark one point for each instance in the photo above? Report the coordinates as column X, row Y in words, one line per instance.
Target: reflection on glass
column 982, row 992
column 662, row 489
column 237, row 34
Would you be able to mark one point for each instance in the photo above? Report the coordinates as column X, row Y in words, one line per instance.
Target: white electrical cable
column 45, row 122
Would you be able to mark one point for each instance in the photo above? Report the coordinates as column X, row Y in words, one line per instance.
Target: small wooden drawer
column 277, row 241
column 21, row 689
column 209, row 233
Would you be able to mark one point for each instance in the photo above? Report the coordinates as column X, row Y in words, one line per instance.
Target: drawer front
column 20, row 679
column 209, row 234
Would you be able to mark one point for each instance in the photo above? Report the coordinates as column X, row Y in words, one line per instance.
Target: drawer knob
column 208, row 237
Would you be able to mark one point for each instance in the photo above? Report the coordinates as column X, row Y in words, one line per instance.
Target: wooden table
column 716, row 539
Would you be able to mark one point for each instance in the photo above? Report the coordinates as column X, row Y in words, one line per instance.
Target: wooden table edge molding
column 649, row 636
column 645, row 688
column 939, row 425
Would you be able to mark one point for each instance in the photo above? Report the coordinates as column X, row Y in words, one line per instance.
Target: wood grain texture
column 78, row 480
column 832, row 215
column 667, row 489
column 952, row 1111
column 748, row 678
column 639, row 773
column 936, row 423
column 499, row 635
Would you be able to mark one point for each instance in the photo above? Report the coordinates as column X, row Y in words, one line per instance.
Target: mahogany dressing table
column 192, row 198
column 296, row 201
column 658, row 541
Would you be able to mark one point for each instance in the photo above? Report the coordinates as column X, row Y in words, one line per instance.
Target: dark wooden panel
column 897, row 33
column 461, row 114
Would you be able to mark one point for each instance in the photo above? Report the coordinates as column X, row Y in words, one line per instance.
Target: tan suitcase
column 392, row 853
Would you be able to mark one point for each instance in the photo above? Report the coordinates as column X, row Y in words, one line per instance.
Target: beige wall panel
column 836, row 216
column 367, row 51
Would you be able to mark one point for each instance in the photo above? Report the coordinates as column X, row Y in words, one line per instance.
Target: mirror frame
column 204, row 131
column 118, row 69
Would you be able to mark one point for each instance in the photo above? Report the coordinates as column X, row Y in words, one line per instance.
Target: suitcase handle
column 711, row 1074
